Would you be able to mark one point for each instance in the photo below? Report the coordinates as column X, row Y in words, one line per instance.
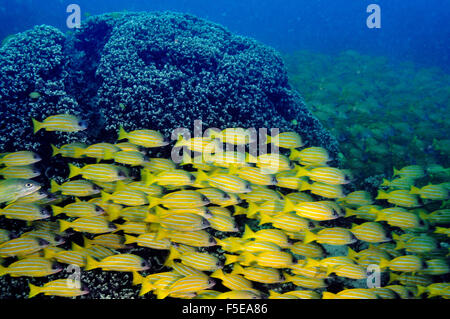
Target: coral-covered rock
column 146, row 70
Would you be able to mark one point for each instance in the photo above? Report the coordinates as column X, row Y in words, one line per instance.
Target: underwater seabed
column 385, row 114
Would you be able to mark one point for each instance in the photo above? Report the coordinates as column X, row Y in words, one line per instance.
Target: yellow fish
column 20, row 158
column 22, row 246
column 310, row 156
column 145, row 138
column 31, row 267
column 186, row 285
column 286, row 140
column 59, row 287
column 399, row 197
column 327, row 175
column 331, row 236
column 370, row 232
column 69, row 150
column 78, row 209
column 61, row 123
column 98, row 172
column 100, row 151
column 78, row 188
column 119, row 262
column 24, row 172
column 133, row 158
column 93, row 225
column 24, row 211
column 432, row 192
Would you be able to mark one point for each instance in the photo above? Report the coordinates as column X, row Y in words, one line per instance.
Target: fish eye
column 82, row 124
column 311, row 225
column 59, row 238
column 192, row 178
column 226, row 196
column 29, row 185
column 112, row 226
column 98, row 209
column 211, row 282
column 96, row 187
column 274, row 180
column 205, row 222
column 42, row 242
column 219, row 264
column 335, row 213
column 212, row 240
column 36, row 157
column 205, row 199
column 56, row 266
column 144, row 263
column 122, row 174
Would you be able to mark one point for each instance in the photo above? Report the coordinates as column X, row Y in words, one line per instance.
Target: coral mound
column 146, row 70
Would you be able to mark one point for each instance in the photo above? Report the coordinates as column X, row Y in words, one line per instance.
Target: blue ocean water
column 416, row 30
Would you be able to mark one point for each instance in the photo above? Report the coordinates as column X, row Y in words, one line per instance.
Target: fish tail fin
column 87, row 242
column 161, row 234
column 74, row 170
column 396, row 172
column 56, row 210
column 78, row 152
column 201, row 177
column 414, row 190
column 48, row 253
column 3, row 270
column 382, row 195
column 137, row 278
column 146, row 287
column 173, row 254
column 54, row 186
column 237, row 269
column 248, row 233
column 231, row 259
column 384, row 263
column 91, row 263
column 312, row 262
column 34, row 290
column 328, row 295
column 129, row 239
column 309, row 236
column 301, row 171
column 349, row 212
column 265, row 219
column 294, row 154
column 122, row 133
column 36, row 125
column 239, row 210
column 288, row 206
column 105, row 196
column 392, row 277
column 163, row 293
column 152, row 218
column 76, row 247
column 423, row 215
column 352, row 254
column 113, row 213
column 273, row 294
column 218, row 274
column 420, row 290
column 55, row 150
column 153, row 201
column 63, row 225
column 400, row 245
column 304, row 186
column 380, row 216
column 252, row 210
column 385, row 182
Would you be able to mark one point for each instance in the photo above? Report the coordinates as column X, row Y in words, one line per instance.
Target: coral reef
column 153, row 70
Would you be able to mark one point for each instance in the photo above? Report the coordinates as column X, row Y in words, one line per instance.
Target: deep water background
column 416, row 30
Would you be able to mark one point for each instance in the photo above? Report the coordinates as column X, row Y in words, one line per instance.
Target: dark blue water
column 417, row 30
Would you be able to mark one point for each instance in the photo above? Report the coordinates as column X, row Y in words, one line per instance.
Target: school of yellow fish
column 174, row 207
